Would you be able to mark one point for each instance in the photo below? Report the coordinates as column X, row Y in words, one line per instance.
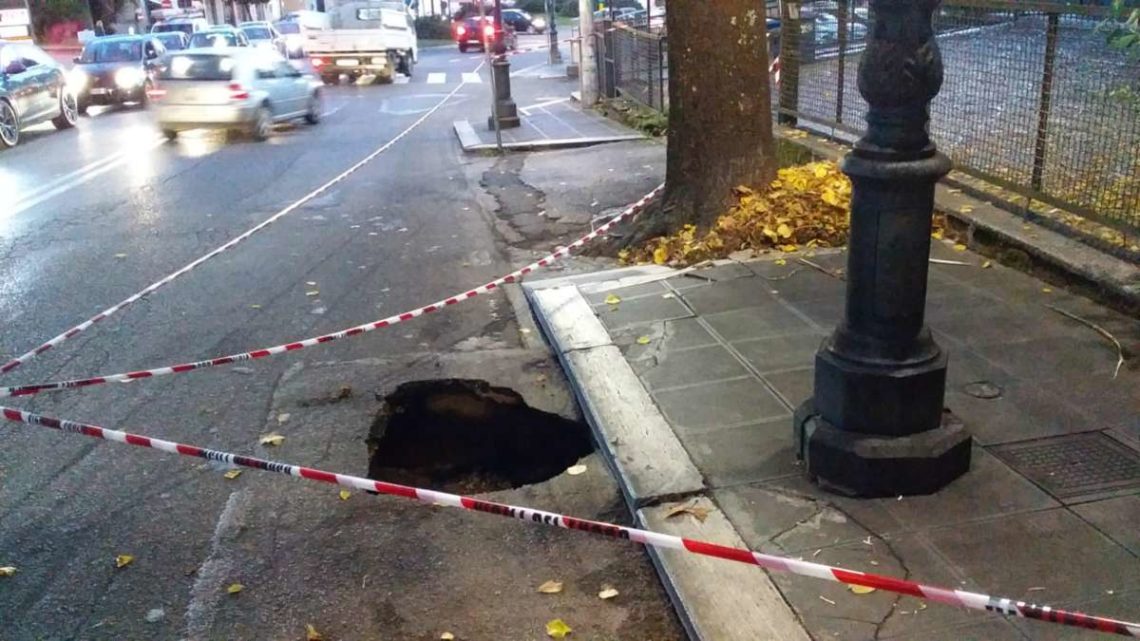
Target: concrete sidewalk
column 715, row 360
column 550, row 119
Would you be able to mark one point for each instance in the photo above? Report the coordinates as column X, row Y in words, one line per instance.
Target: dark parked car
column 33, row 88
column 116, row 69
column 523, row 22
column 173, row 40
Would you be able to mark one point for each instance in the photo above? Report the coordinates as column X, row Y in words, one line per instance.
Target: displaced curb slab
column 716, row 600
column 471, row 143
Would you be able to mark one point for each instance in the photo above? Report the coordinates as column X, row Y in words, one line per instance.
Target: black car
column 523, row 22
column 173, row 40
column 116, row 69
column 33, row 88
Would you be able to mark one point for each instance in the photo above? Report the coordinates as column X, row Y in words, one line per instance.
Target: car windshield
column 171, row 40
column 214, row 39
column 167, row 27
column 257, row 33
column 112, row 51
column 201, row 66
column 288, row 27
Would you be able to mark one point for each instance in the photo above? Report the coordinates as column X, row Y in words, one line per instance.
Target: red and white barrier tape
column 28, row 390
column 20, row 360
column 957, row 598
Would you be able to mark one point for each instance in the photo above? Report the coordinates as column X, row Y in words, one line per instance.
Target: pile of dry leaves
column 806, row 206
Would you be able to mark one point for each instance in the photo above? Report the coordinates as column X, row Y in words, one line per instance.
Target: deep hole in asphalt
column 468, row 437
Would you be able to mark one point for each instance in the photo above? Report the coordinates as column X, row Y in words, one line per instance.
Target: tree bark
column 720, row 111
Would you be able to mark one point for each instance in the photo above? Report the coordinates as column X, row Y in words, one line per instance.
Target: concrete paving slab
column 716, row 405
column 625, row 293
column 691, row 366
column 780, row 352
column 795, row 386
column 640, row 310
column 745, row 454
column 1116, row 518
column 805, row 283
column 683, row 333
column 737, row 293
column 757, row 322
column 1022, row 412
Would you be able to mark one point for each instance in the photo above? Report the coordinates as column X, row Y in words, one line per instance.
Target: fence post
column 661, row 72
column 1045, row 103
column 841, row 19
column 789, row 62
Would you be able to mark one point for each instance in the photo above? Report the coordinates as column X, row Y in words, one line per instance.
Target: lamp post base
column 872, row 465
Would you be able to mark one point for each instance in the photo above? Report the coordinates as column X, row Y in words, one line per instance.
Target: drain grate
column 1075, row 465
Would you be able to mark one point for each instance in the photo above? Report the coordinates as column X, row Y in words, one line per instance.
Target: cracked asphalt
column 92, row 215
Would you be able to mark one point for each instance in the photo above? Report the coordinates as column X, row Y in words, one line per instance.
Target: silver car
column 243, row 89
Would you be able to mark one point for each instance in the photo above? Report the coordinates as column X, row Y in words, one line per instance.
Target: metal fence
column 1035, row 100
column 633, row 63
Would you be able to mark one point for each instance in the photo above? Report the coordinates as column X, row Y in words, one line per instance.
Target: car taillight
column 155, row 94
column 317, row 62
column 460, row 31
column 237, row 92
column 489, row 31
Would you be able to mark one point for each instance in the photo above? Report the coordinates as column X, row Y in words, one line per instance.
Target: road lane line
column 42, row 187
column 436, row 78
column 472, row 77
column 19, row 360
column 76, row 181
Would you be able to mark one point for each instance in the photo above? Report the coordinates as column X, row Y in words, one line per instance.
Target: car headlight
column 539, row 23
column 77, row 79
column 128, row 77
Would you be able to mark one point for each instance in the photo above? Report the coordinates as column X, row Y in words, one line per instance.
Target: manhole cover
column 468, row 437
column 1074, row 465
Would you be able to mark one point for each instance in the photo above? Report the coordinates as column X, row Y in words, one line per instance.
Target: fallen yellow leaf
column 643, row 340
column 311, row 283
column 1047, row 290
column 120, row 255
column 123, row 560
column 8, row 570
column 936, row 234
column 613, row 299
column 273, row 438
column 575, row 470
column 959, row 247
column 557, row 629
column 344, row 494
column 781, row 262
column 255, row 306
column 860, row 589
column 232, row 474
column 608, row 592
column 660, row 256
column 789, row 248
column 234, row 588
column 784, row 231
column 987, row 264
column 311, row 633
column 965, row 209
column 697, row 512
column 550, row 587
column 447, row 636
column 313, row 292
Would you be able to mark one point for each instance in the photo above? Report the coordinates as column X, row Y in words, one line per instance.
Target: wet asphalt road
column 92, row 215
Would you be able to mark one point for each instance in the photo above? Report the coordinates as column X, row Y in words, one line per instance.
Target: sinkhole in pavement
column 468, row 437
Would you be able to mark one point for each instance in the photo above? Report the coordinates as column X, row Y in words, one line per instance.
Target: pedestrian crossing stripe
column 472, row 78
column 436, row 78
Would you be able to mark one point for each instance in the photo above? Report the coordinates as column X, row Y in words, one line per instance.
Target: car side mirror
column 15, row 67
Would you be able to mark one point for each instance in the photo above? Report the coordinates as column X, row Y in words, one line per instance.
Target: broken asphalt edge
column 471, row 143
column 715, row 601
column 1074, row 259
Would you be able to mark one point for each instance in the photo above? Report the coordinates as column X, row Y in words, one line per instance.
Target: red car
column 470, row 30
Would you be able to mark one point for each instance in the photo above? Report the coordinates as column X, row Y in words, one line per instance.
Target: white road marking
column 401, row 80
column 526, row 110
column 80, row 178
column 436, row 78
column 211, row 577
column 472, row 78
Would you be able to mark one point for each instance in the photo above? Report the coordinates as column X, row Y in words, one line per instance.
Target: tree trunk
column 720, row 111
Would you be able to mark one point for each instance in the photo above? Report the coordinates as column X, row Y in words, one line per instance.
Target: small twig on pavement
column 1100, row 330
column 821, row 268
column 781, row 277
column 943, row 261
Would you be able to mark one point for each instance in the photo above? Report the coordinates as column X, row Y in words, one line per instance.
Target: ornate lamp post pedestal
column 876, row 425
column 504, row 109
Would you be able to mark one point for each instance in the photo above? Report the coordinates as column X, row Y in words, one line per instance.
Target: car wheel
column 262, row 123
column 313, row 115
column 330, row 79
column 9, row 125
column 144, row 98
column 170, row 134
column 68, row 111
column 462, row 48
column 81, row 108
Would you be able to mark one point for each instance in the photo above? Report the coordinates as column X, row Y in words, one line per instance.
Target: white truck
column 368, row 38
